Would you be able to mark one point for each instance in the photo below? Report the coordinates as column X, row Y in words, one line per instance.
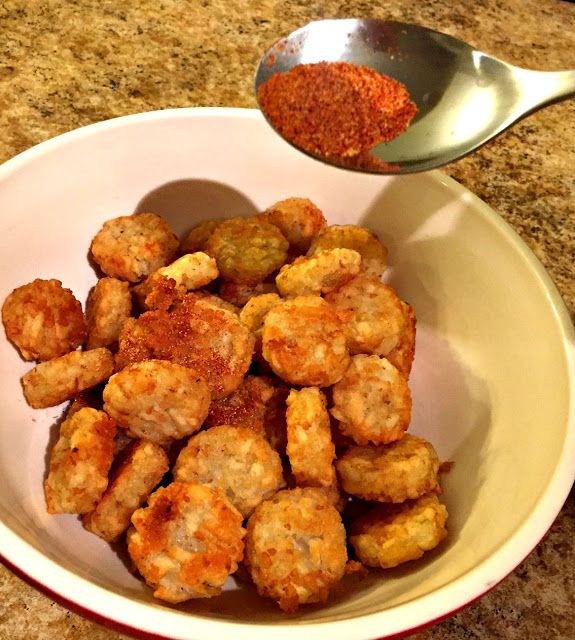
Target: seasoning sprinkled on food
column 336, row 109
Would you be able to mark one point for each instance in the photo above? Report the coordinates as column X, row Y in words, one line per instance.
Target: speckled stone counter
column 68, row 63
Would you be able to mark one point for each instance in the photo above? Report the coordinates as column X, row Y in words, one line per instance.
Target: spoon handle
column 541, row 88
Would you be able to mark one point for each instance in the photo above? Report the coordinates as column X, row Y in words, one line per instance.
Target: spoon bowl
column 465, row 97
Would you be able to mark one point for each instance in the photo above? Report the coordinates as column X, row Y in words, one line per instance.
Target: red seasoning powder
column 336, row 109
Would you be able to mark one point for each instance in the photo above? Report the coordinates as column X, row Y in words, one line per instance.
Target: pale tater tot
column 198, row 236
column 79, row 462
column 318, row 274
column 296, row 547
column 304, row 342
column 366, row 243
column 403, row 470
column 109, row 305
column 191, row 271
column 299, row 219
column 132, row 247
column 377, row 320
column 235, row 459
column 239, row 294
column 247, row 406
column 43, row 320
column 252, row 314
column 372, row 401
column 403, row 354
column 186, row 541
column 310, row 449
column 143, row 465
column 195, row 334
column 247, row 250
column 390, row 535
column 52, row 382
column 157, row 400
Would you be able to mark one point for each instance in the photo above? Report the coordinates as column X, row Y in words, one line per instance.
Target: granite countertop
column 68, row 63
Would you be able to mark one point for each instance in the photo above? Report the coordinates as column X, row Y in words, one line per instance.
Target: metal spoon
column 465, row 97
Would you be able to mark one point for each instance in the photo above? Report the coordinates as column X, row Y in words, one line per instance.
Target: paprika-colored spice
column 336, row 110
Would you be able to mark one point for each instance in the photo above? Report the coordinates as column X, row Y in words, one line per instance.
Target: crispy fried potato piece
column 195, row 334
column 198, row 236
column 309, row 447
column 157, row 400
column 143, row 465
column 304, row 342
column 43, row 320
column 372, row 401
column 299, row 220
column 403, row 354
column 252, row 314
column 390, row 535
column 377, row 320
column 132, row 247
column 109, row 305
column 323, row 272
column 296, row 548
column 349, row 236
column 186, row 542
column 239, row 294
column 191, row 271
column 235, row 459
column 247, row 250
column 52, row 382
column 403, row 470
column 246, row 407
column 79, row 462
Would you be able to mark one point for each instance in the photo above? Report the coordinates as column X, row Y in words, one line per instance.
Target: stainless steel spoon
column 464, row 96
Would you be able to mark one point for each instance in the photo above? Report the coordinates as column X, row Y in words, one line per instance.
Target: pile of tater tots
column 239, row 398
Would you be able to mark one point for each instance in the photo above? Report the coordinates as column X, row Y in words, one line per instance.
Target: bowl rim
column 134, row 617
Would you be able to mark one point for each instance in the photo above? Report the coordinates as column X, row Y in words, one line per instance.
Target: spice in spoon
column 336, row 110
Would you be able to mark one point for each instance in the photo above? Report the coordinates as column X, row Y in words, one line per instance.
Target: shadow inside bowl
column 186, row 203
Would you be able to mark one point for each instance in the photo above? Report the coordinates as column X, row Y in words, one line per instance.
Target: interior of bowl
column 488, row 391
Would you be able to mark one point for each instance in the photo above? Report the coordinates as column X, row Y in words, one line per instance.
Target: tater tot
column 157, row 400
column 377, row 319
column 132, row 247
column 198, row 236
column 239, row 294
column 247, row 406
column 252, row 314
column 143, row 465
column 325, row 271
column 309, row 446
column 304, row 342
column 366, row 243
column 403, row 470
column 79, row 462
column 402, row 355
column 195, row 334
column 109, row 305
column 191, row 271
column 186, row 542
column 299, row 219
column 372, row 401
column 52, row 382
column 247, row 250
column 390, row 535
column 296, row 547
column 235, row 459
column 43, row 320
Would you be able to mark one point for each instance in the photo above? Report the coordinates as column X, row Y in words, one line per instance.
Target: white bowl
column 493, row 381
